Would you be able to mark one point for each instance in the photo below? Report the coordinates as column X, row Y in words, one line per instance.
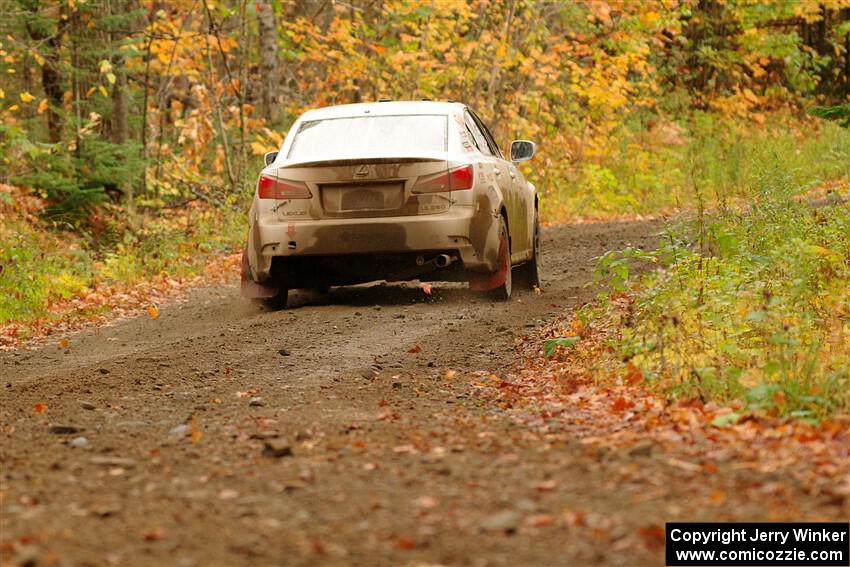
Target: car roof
column 388, row 108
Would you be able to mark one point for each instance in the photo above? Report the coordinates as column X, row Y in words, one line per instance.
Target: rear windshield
column 371, row 135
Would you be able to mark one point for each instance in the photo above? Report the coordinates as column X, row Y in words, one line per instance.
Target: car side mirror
column 270, row 157
column 521, row 150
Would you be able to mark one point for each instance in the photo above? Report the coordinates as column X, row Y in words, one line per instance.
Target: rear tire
column 279, row 301
column 529, row 273
column 503, row 292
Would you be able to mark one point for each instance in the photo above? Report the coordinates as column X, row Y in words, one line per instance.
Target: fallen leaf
column 63, row 344
column 196, row 433
column 541, row 520
column 551, row 345
column 653, row 536
column 574, row 518
column 620, row 404
column 42, row 106
column 718, row 497
column 406, row 543
column 425, row 502
column 153, row 534
column 39, row 408
column 633, row 375
column 426, row 288
column 415, row 349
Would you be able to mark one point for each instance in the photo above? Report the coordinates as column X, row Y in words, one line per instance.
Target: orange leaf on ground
column 153, row 534
column 63, row 344
column 406, row 543
column 414, row 349
column 620, row 404
column 39, row 408
column 196, row 433
column 653, row 536
column 541, row 520
column 633, row 375
column 426, row 288
column 153, row 311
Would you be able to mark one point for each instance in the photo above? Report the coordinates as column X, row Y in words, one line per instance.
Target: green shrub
column 749, row 305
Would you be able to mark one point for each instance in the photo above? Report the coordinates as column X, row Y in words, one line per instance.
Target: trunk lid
column 366, row 187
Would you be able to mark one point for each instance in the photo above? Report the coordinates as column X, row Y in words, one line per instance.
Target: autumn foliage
column 131, row 134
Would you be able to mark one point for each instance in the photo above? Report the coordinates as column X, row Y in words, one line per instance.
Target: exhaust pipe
column 443, row 260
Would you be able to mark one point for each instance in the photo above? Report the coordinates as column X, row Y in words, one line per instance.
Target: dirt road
column 224, row 434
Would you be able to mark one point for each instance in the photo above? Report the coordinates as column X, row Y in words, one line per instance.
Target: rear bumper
column 469, row 232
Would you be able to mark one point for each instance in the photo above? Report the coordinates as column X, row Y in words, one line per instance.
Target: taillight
column 453, row 180
column 277, row 188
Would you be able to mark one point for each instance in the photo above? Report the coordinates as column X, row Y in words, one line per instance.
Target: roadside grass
column 749, row 306
column 44, row 267
column 662, row 169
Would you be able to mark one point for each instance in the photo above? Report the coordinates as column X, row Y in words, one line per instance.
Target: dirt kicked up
column 347, row 430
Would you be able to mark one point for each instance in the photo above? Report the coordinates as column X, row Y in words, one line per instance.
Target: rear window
column 371, row 135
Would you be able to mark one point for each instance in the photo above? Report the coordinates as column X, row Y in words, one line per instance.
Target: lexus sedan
column 391, row 191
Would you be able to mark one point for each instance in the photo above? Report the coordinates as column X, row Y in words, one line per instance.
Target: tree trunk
column 120, row 127
column 847, row 60
column 269, row 73
column 51, row 78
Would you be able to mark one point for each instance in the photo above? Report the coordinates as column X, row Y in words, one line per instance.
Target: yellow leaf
column 103, row 91
column 111, row 78
column 38, row 58
column 196, row 433
column 750, row 96
column 42, row 106
column 14, row 107
column 257, row 148
column 822, row 251
column 2, row 93
column 153, row 311
column 26, row 97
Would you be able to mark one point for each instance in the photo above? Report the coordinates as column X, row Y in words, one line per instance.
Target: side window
column 491, row 142
column 477, row 135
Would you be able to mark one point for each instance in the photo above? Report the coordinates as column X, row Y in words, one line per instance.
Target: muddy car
column 391, row 191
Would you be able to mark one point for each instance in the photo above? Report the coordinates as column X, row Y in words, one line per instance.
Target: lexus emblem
column 361, row 171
